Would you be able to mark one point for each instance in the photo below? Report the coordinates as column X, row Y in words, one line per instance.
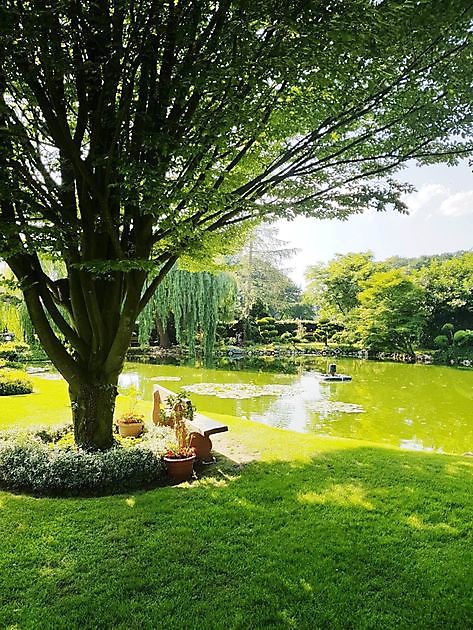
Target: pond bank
column 155, row 353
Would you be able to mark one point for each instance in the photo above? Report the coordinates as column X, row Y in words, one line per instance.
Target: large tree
column 132, row 129
column 333, row 288
column 448, row 287
column 390, row 315
column 260, row 275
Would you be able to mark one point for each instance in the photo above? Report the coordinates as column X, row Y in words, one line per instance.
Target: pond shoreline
column 153, row 353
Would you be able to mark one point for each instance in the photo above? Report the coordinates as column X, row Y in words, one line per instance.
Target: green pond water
column 420, row 407
column 412, row 406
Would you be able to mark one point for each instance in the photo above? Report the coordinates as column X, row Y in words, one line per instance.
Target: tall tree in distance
column 448, row 287
column 333, row 288
column 390, row 314
column 133, row 130
column 194, row 301
column 258, row 270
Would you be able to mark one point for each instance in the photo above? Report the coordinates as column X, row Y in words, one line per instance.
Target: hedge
column 15, row 351
column 14, row 382
column 31, row 462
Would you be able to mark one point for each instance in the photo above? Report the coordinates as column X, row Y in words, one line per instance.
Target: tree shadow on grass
column 360, row 538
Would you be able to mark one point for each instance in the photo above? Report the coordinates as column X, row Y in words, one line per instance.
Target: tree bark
column 93, row 406
column 164, row 339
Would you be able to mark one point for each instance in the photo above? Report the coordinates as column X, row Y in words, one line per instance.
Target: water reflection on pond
column 412, row 406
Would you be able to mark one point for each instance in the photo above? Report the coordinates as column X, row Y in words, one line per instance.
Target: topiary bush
column 31, row 463
column 14, row 382
column 463, row 338
column 267, row 329
column 441, row 341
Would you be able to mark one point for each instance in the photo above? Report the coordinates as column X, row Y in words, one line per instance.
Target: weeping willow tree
column 14, row 316
column 196, row 300
column 27, row 328
column 10, row 315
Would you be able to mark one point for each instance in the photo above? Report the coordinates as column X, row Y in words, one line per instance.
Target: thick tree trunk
column 93, row 406
column 89, row 344
column 164, row 339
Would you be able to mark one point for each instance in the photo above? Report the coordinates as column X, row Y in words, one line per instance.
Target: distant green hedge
column 16, row 351
column 316, row 330
column 14, row 382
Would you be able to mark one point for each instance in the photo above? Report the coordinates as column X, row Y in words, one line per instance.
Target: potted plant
column 180, row 463
column 179, row 460
column 130, row 424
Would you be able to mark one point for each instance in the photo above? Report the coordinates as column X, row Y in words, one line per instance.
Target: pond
column 412, row 406
column 421, row 407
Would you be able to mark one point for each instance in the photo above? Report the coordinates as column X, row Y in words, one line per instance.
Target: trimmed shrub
column 32, row 464
column 463, row 338
column 14, row 382
column 258, row 330
column 453, row 355
column 16, row 351
column 441, row 341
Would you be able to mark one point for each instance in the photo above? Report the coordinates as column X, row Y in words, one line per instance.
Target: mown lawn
column 316, row 534
column 49, row 404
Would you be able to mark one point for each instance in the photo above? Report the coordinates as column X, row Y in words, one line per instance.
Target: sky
column 440, row 220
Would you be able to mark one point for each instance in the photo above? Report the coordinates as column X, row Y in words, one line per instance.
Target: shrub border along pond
column 47, row 463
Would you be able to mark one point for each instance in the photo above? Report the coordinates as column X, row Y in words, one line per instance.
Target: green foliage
column 389, row 317
column 264, row 287
column 132, row 136
column 455, row 355
column 448, row 286
column 267, row 330
column 183, row 403
column 448, row 329
column 258, row 310
column 364, row 522
column 441, row 341
column 17, row 351
column 320, row 330
column 14, row 382
column 344, row 290
column 300, row 332
column 333, row 288
column 31, row 463
column 10, row 315
column 463, row 338
column 195, row 300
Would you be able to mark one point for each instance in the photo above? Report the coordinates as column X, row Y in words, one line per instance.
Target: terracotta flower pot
column 134, row 429
column 179, row 469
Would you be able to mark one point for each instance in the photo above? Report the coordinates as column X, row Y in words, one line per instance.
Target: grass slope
column 49, row 404
column 316, row 534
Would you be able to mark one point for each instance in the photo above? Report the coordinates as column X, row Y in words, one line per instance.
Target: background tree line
column 395, row 305
column 399, row 304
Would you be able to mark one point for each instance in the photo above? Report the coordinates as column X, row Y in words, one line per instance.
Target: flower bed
column 48, row 463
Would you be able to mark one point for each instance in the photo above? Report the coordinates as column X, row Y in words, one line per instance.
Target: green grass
column 318, row 533
column 49, row 404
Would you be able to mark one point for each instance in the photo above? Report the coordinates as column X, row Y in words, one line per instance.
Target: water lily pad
column 239, row 391
column 326, row 407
